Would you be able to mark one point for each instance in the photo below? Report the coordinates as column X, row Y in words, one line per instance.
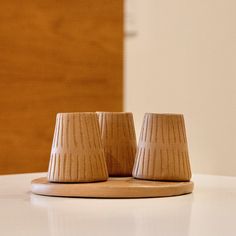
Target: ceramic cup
column 162, row 149
column 77, row 154
column 119, row 141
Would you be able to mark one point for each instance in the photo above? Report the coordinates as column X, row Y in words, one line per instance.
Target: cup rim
column 164, row 114
column 77, row 112
column 114, row 112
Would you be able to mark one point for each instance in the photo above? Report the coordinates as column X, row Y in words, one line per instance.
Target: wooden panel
column 55, row 56
column 125, row 187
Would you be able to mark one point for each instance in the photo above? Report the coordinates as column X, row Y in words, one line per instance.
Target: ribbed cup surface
column 77, row 154
column 162, row 150
column 119, row 142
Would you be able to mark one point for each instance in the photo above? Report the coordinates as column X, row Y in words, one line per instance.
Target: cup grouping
column 90, row 147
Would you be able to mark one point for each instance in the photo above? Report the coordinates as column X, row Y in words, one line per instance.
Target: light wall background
column 183, row 60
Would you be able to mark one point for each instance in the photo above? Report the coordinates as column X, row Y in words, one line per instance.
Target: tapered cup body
column 119, row 142
column 162, row 149
column 77, row 154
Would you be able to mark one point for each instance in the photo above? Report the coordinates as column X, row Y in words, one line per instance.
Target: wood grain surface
column 55, row 56
column 77, row 154
column 113, row 188
column 162, row 149
column 119, row 142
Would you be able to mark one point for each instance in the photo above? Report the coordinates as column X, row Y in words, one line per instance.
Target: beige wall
column 183, row 60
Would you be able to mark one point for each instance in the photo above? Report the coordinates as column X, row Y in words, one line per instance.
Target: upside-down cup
column 77, row 153
column 119, row 142
column 162, row 149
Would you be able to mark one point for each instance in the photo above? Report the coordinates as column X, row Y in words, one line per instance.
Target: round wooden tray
column 113, row 188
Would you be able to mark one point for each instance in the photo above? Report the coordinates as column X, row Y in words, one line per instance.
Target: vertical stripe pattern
column 162, row 152
column 119, row 142
column 77, row 154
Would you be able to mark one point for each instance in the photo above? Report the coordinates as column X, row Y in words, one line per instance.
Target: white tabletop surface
column 210, row 210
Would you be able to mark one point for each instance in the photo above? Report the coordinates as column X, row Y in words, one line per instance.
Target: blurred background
column 180, row 57
column 55, row 56
column 131, row 55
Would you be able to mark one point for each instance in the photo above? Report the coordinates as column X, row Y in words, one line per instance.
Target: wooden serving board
column 127, row 187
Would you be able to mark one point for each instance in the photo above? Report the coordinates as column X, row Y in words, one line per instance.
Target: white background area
column 182, row 59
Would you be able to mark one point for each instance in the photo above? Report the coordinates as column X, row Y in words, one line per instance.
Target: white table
column 210, row 210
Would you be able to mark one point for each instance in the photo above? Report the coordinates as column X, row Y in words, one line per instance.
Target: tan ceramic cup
column 119, row 141
column 162, row 150
column 77, row 154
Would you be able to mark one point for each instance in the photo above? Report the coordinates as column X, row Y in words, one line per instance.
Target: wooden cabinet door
column 55, row 56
